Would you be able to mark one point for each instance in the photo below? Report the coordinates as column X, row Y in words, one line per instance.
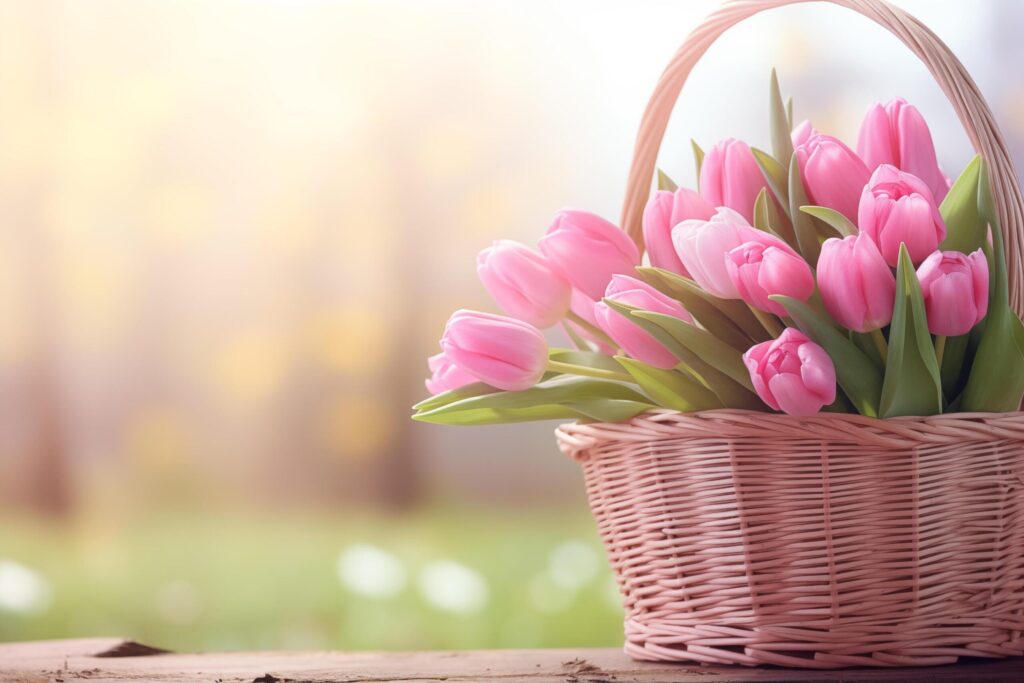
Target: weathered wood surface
column 118, row 660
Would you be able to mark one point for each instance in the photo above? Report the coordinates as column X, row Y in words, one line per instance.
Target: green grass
column 211, row 582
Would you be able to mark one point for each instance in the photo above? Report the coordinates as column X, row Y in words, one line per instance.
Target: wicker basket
column 824, row 542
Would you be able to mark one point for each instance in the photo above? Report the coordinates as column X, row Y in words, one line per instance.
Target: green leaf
column 559, row 397
column 867, row 345
column 467, row 391
column 996, row 380
column 722, row 357
column 955, row 360
column 669, row 388
column 789, row 112
column 775, row 174
column 666, row 183
column 831, row 217
column 966, row 228
column 589, row 359
column 803, row 225
column 699, row 304
column 782, row 143
column 859, row 377
column 698, row 159
column 913, row 385
column 767, row 217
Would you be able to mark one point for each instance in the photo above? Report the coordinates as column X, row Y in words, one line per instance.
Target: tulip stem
column 599, row 373
column 594, row 330
column 576, row 339
column 940, row 348
column 883, row 349
column 769, row 322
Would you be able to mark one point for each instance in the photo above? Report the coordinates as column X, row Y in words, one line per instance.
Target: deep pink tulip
column 664, row 211
column 504, row 352
column 524, row 283
column 702, row 247
column 628, row 335
column 898, row 207
column 792, row 373
column 856, row 284
column 730, row 176
column 588, row 250
column 802, row 133
column 955, row 289
column 766, row 266
column 897, row 135
column 833, row 175
column 446, row 375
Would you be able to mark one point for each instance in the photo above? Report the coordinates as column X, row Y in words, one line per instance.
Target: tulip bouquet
column 811, row 278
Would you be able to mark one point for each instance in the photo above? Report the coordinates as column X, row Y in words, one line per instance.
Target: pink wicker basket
column 837, row 540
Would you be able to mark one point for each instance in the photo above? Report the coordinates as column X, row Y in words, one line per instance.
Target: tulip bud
column 703, row 245
column 897, row 207
column 833, row 175
column 503, row 352
column 524, row 283
column 802, row 133
column 634, row 340
column 664, row 211
column 955, row 290
column 897, row 135
column 446, row 375
column 730, row 176
column 792, row 373
column 766, row 266
column 588, row 250
column 856, row 284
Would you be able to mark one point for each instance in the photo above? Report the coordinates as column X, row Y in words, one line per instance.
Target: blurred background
column 230, row 234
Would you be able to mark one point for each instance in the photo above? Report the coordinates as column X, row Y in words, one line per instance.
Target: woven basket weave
column 830, row 541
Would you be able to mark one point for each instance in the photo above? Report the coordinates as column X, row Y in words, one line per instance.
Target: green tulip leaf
column 789, row 112
column 446, row 397
column 913, row 385
column 775, row 174
column 803, row 225
column 782, row 142
column 996, row 380
column 666, row 183
column 589, row 359
column 858, row 376
column 956, row 359
column 670, row 388
column 966, row 228
column 698, row 159
column 842, row 225
column 767, row 217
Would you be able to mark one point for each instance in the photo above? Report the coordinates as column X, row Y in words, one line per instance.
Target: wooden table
column 108, row 659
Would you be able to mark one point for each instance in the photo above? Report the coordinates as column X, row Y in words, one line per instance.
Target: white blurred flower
column 370, row 571
column 453, row 587
column 178, row 602
column 573, row 564
column 22, row 590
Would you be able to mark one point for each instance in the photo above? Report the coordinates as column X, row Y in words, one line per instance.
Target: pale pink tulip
column 730, row 176
column 792, row 373
column 446, row 375
column 766, row 266
column 504, row 352
column 703, row 245
column 897, row 207
column 524, row 283
column 898, row 135
column 628, row 335
column 588, row 250
column 802, row 133
column 833, row 175
column 664, row 211
column 856, row 284
column 955, row 289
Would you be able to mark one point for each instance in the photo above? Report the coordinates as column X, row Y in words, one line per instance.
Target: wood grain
column 109, row 659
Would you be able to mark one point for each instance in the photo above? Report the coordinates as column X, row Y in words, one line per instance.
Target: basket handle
column 947, row 70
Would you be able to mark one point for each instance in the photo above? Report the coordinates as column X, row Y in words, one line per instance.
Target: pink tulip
column 664, row 211
column 955, row 289
column 446, row 375
column 856, row 284
column 766, row 266
column 588, row 250
column 501, row 351
column 583, row 306
column 833, row 175
column 792, row 373
column 633, row 339
column 897, row 135
column 524, row 283
column 703, row 245
column 802, row 133
column 730, row 176
column 898, row 207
